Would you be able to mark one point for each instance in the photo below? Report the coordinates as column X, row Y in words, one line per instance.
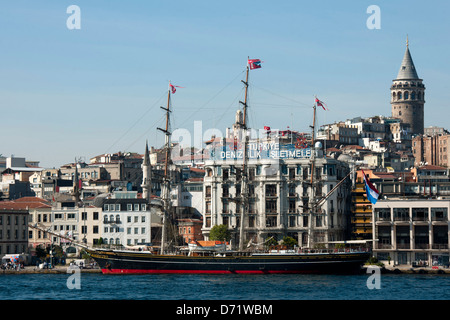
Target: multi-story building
column 129, row 220
column 280, row 193
column 190, row 230
column 412, row 231
column 361, row 218
column 431, row 150
column 13, row 229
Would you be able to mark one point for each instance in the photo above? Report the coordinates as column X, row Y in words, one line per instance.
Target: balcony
column 439, row 246
column 383, row 246
column 422, row 246
column 112, row 221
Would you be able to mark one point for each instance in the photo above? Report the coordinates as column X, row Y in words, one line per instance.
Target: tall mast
column 244, row 176
column 166, row 180
column 312, row 196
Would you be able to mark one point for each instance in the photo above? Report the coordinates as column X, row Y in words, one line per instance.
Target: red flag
column 172, row 87
column 254, row 63
column 321, row 103
column 267, row 128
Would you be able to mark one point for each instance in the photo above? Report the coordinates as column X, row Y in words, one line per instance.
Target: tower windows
column 399, row 95
column 406, row 95
column 413, row 95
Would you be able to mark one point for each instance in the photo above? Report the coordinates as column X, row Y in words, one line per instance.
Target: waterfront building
column 280, row 190
column 129, row 220
column 40, row 212
column 412, row 232
column 13, row 229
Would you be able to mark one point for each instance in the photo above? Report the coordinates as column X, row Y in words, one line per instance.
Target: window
column 401, row 214
column 208, row 191
column 136, row 207
column 291, row 221
column 251, row 221
column 106, row 207
column 129, row 207
column 271, row 190
column 271, row 206
column 271, row 221
column 117, row 206
column 292, row 205
column 318, row 221
column 225, row 206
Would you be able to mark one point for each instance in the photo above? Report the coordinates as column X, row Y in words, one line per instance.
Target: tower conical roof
column 146, row 155
column 407, row 69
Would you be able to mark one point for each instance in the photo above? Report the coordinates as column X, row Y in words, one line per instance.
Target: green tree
column 289, row 242
column 220, row 233
column 41, row 253
column 271, row 242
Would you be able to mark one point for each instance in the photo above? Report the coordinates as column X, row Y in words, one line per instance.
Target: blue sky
column 79, row 93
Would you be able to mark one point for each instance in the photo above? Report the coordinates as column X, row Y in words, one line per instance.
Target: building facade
column 412, row 232
column 280, row 195
column 129, row 221
column 13, row 230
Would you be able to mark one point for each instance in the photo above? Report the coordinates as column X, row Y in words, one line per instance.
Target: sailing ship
column 214, row 258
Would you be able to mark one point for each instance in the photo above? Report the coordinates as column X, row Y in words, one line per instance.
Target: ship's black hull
column 125, row 262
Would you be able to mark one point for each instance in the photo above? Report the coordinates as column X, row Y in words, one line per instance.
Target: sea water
column 223, row 287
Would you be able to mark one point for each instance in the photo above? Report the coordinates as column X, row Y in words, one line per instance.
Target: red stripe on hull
column 143, row 271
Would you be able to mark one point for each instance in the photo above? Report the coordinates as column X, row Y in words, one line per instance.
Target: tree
column 41, row 253
column 220, row 233
column 271, row 242
column 289, row 242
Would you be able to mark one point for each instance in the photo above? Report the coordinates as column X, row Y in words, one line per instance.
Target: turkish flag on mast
column 321, row 103
column 254, row 63
column 172, row 88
